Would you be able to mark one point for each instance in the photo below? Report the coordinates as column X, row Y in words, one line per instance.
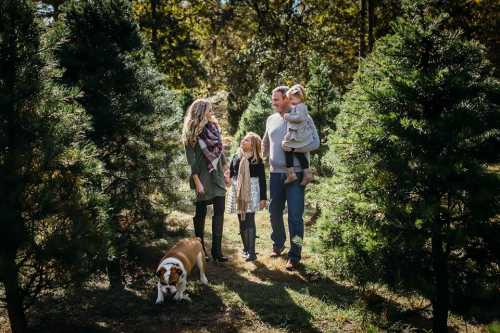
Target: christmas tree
column 134, row 117
column 52, row 208
column 412, row 199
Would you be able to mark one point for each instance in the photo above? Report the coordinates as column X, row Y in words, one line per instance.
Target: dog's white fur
column 178, row 293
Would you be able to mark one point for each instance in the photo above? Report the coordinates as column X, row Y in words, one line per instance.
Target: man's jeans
column 293, row 195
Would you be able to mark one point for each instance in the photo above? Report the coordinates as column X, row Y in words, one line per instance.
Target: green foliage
column 254, row 55
column 410, row 154
column 135, row 119
column 494, row 327
column 66, row 231
column 242, row 81
column 52, row 207
column 477, row 20
column 237, row 45
column 255, row 116
column 322, row 105
column 176, row 53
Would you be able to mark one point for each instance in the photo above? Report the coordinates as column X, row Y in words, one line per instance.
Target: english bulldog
column 175, row 267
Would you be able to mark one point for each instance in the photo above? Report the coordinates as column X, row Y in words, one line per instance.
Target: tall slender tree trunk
column 10, row 280
column 115, row 274
column 362, row 29
column 371, row 24
column 13, row 227
column 440, row 301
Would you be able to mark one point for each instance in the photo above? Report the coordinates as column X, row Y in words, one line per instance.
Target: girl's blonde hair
column 297, row 90
column 196, row 119
column 256, row 142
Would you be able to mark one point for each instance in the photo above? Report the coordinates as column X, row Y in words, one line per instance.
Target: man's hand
column 263, row 204
column 285, row 116
column 286, row 148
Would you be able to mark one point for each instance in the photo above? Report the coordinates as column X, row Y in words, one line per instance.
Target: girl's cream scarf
column 243, row 187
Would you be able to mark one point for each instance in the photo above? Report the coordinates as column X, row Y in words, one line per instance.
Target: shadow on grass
column 104, row 310
column 322, row 288
column 133, row 310
column 98, row 309
column 271, row 303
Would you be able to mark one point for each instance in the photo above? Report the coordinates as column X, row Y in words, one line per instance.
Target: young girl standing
column 299, row 134
column 248, row 193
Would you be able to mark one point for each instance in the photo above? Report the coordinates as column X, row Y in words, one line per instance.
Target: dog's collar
column 173, row 264
column 172, row 261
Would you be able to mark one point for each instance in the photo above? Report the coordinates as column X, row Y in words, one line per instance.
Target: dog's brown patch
column 175, row 275
column 161, row 273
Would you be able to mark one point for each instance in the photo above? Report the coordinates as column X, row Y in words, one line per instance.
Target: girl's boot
column 291, row 176
column 307, row 177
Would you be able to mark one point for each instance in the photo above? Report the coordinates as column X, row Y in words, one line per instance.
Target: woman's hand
column 200, row 190
column 198, row 186
column 263, row 204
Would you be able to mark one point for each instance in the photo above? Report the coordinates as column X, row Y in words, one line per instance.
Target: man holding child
column 282, row 190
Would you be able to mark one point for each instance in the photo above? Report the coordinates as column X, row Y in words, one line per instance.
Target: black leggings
column 248, row 222
column 217, row 224
column 304, row 163
column 217, row 202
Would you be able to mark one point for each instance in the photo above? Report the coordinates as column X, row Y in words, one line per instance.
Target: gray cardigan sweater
column 300, row 132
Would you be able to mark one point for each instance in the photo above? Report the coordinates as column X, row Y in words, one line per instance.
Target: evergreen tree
column 322, row 104
column 412, row 199
column 134, row 117
column 52, row 208
column 175, row 51
column 255, row 116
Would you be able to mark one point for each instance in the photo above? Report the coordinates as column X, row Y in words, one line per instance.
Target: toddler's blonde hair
column 297, row 90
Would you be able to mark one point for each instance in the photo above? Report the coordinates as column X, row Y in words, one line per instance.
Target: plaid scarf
column 210, row 141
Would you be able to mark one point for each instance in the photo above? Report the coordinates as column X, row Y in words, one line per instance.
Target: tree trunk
column 10, row 280
column 362, row 29
column 440, row 301
column 115, row 274
column 371, row 23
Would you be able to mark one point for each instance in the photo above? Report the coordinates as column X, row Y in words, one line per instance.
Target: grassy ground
column 242, row 297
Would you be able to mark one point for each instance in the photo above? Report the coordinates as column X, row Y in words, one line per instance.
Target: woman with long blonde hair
column 202, row 140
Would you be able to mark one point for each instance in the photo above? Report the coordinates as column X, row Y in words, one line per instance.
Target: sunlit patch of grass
column 494, row 168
